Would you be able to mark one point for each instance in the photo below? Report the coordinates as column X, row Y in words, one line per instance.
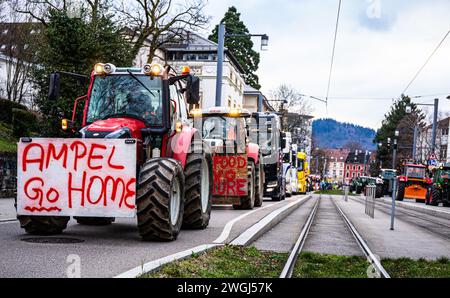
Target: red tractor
column 414, row 183
column 238, row 175
column 149, row 107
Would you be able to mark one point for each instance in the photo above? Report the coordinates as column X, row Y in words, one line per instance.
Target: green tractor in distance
column 359, row 184
column 356, row 185
column 440, row 190
column 388, row 176
column 373, row 181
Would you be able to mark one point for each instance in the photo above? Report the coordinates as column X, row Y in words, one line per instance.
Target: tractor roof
column 222, row 111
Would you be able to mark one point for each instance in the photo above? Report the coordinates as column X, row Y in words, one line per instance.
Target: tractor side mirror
column 54, row 86
column 193, row 90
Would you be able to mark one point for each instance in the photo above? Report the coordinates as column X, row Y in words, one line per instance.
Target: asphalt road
column 108, row 251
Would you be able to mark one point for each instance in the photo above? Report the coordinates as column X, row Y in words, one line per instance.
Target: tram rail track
column 289, row 267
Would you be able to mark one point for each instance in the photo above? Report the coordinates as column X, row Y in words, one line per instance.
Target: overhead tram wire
column 333, row 52
column 426, row 62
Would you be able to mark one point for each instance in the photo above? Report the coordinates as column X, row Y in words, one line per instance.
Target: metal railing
column 370, row 200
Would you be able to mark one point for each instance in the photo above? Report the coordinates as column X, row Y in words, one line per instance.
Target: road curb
column 8, row 220
column 268, row 222
column 154, row 265
column 421, row 208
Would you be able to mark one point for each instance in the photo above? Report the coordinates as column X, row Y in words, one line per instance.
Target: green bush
column 6, row 107
column 24, row 123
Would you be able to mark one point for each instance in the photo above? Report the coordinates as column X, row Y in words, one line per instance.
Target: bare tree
column 18, row 55
column 38, row 9
column 353, row 146
column 295, row 110
column 286, row 98
column 153, row 23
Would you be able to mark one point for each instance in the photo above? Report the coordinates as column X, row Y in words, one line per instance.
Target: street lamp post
column 394, row 191
column 221, row 53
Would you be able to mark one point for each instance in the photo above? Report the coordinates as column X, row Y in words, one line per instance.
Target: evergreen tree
column 240, row 47
column 73, row 45
column 398, row 119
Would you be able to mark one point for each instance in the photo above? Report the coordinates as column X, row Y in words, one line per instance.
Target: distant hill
column 331, row 134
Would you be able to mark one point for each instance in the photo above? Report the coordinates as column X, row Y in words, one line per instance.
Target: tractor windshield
column 413, row 172
column 224, row 128
column 124, row 96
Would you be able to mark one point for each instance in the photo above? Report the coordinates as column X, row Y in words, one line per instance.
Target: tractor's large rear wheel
column 94, row 221
column 401, row 191
column 43, row 225
column 435, row 197
column 160, row 199
column 198, row 190
column 248, row 202
column 259, row 187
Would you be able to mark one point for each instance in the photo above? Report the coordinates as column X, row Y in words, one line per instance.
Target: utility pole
column 416, row 135
column 394, row 191
column 220, row 55
column 435, row 119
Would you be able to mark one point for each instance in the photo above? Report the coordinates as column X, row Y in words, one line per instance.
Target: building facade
column 255, row 101
column 335, row 164
column 357, row 165
column 424, row 143
column 200, row 54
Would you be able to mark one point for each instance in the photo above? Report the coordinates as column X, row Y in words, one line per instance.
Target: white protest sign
column 77, row 177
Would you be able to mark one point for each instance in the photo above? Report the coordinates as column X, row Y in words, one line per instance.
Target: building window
column 203, row 57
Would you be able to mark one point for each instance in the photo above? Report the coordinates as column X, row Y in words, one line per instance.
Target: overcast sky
column 381, row 44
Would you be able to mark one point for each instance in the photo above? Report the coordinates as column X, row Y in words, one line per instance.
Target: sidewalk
column 407, row 240
column 7, row 210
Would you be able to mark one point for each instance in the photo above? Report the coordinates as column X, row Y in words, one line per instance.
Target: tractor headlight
column 109, row 68
column 99, row 69
column 153, row 69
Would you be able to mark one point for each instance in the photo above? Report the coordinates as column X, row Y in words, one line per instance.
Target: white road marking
column 254, row 231
column 227, row 229
column 150, row 266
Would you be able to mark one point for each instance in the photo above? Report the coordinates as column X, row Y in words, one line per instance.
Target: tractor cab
column 224, row 129
column 237, row 167
column 414, row 183
column 265, row 130
column 440, row 190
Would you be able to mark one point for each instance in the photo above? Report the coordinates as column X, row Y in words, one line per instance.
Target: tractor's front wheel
column 401, row 192
column 43, row 225
column 160, row 200
column 259, row 188
column 198, row 191
column 248, row 202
